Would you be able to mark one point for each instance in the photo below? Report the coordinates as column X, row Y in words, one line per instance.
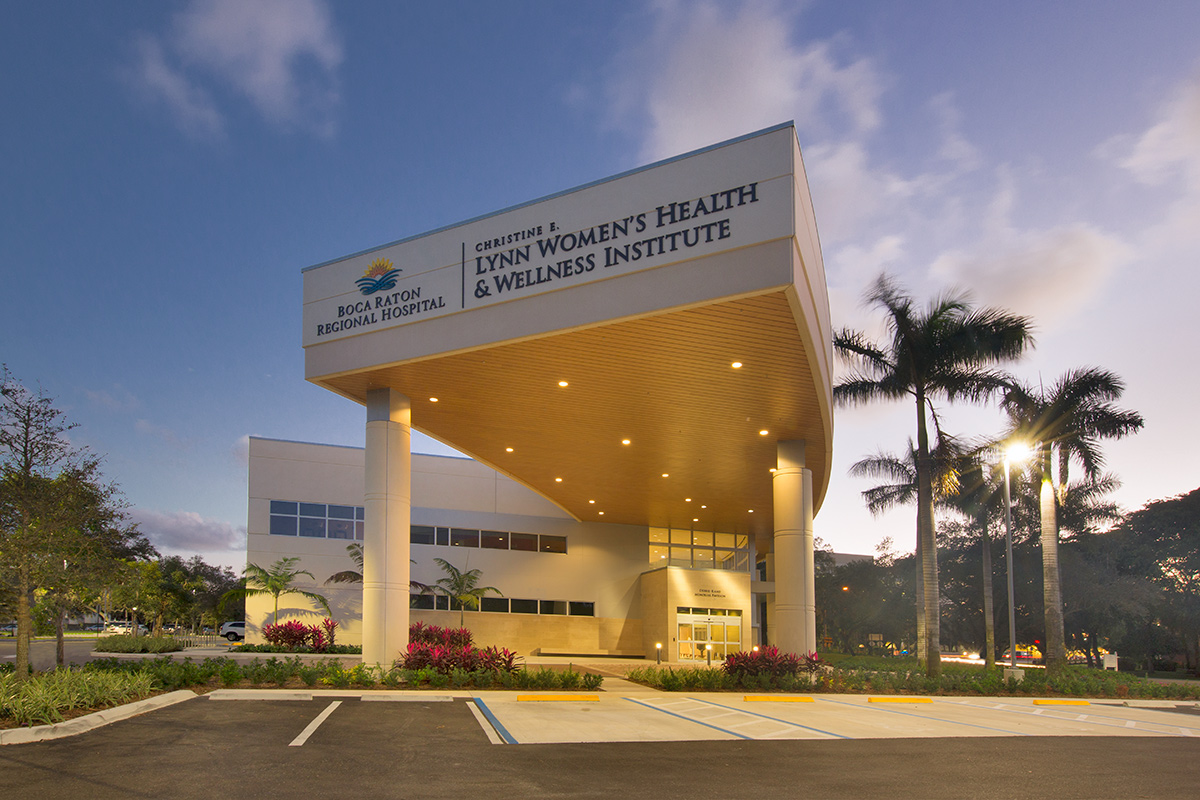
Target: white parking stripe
column 316, row 723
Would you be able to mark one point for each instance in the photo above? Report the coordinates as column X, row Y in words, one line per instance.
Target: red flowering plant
column 446, row 649
column 295, row 635
column 769, row 661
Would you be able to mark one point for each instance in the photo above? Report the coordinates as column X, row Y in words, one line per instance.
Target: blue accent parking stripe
column 773, row 719
column 689, row 719
column 500, row 729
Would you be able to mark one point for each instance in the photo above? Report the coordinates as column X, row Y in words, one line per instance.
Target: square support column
column 794, row 628
column 386, row 539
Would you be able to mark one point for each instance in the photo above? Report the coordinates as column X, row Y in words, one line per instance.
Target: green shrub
column 44, row 697
column 122, row 643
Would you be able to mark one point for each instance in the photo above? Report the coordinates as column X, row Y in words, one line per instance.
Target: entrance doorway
column 702, row 629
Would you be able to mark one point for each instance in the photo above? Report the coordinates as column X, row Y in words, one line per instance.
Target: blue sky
column 169, row 168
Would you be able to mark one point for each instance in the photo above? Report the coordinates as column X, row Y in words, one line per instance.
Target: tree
column 943, row 351
column 58, row 520
column 1064, row 425
column 278, row 580
column 462, row 587
column 355, row 551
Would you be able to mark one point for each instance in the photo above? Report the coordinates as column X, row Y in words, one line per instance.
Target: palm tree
column 355, row 551
column 902, row 490
column 462, row 587
column 276, row 581
column 943, row 351
column 1065, row 424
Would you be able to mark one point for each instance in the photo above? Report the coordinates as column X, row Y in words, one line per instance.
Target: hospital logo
column 379, row 277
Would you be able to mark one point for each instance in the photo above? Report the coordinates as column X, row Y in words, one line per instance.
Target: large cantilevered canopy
column 648, row 390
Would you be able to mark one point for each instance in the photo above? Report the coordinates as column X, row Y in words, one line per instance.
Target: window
column 424, row 601
column 493, row 540
column 460, row 537
column 552, row 606
column 553, row 544
column 582, row 609
column 523, row 541
column 316, row 520
column 421, row 534
column 499, row 604
column 524, row 606
column 700, row 549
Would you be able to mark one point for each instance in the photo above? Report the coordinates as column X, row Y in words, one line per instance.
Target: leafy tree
column 355, row 551
column 58, row 520
column 1064, row 425
column 462, row 587
column 945, row 350
column 278, row 580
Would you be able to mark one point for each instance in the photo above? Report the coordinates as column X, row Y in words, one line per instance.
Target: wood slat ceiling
column 663, row 382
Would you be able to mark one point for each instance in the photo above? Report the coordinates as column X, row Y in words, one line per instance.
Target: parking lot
column 408, row 744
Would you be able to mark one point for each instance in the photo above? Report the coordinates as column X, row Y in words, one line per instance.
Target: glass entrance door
column 700, row 629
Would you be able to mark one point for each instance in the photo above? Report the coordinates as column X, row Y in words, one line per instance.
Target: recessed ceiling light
column 433, row 399
column 666, row 475
column 593, row 502
column 687, row 499
column 563, row 384
column 736, row 365
column 771, row 470
column 763, row 432
column 558, row 480
column 751, row 511
column 624, row 441
column 602, row 513
column 508, row 449
column 695, row 519
column 704, row 506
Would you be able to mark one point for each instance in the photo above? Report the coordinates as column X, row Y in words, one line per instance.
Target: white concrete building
column 639, row 367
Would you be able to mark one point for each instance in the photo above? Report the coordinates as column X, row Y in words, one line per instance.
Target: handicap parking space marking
column 496, row 732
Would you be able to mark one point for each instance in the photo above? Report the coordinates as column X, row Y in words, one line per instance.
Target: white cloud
column 116, row 398
column 192, row 107
column 188, row 532
column 160, row 432
column 709, row 72
column 282, row 55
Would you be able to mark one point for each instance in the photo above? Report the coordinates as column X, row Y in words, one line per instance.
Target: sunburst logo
column 379, row 277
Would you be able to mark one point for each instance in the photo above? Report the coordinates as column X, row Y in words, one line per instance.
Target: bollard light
column 756, row 648
column 708, row 653
column 658, row 652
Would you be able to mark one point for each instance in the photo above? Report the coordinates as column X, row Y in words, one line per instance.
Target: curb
column 99, row 719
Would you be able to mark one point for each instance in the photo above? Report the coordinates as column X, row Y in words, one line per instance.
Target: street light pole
column 1012, row 612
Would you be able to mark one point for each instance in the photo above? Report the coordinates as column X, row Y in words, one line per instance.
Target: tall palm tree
column 902, row 490
column 355, row 551
column 277, row 580
column 944, row 351
column 1064, row 424
column 462, row 587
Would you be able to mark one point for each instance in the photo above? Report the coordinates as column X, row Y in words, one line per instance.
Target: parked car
column 95, row 627
column 9, row 630
column 234, row 631
column 119, row 627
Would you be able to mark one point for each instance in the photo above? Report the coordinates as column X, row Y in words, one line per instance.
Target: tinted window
column 553, row 606
column 341, row 512
column 341, row 529
column 312, row 527
column 494, row 540
column 282, row 507
column 553, row 544
column 523, row 541
column 524, row 606
column 283, row 526
column 460, row 537
column 494, row 604
column 583, row 609
column 443, row 536
column 424, row 601
column 421, row 534
column 312, row 509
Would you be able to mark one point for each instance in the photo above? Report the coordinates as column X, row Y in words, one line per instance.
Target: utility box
column 1110, row 661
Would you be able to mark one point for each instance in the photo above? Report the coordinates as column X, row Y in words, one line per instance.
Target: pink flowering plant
column 294, row 635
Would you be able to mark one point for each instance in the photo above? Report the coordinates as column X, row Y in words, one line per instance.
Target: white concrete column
column 794, row 628
column 386, row 539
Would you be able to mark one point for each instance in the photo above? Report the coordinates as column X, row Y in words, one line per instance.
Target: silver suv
column 234, row 631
